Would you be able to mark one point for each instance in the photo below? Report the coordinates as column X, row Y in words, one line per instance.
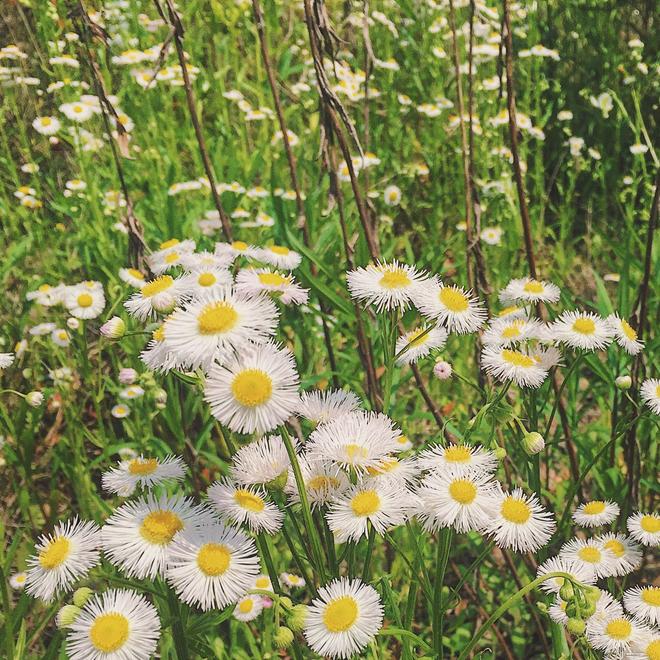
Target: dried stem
column 174, row 20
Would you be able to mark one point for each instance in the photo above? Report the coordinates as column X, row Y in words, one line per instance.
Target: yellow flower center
column 262, row 583
column 213, row 559
column 340, row 614
column 512, row 330
column 44, row 287
column 650, row 524
column 247, row 500
column 615, row 547
column 139, row 466
column 594, row 508
column 239, row 245
column 77, row 108
column 252, row 387
column 354, row 451
column 172, row 258
column 21, row 578
column 463, row 491
column 388, row 464
column 62, row 335
column 394, row 279
column 651, row 596
column 453, row 299
column 628, row 331
column 159, row 334
column 457, row 454
column 618, row 629
column 589, row 554
column 414, row 338
column 245, row 606
column 273, row 279
column 653, row 650
column 365, row 503
column 402, row 440
column 84, row 300
column 584, row 325
column 508, row 310
column 109, row 632
column 278, row 249
column 533, row 286
column 207, row 279
column 168, row 244
column 158, row 285
column 217, row 318
column 135, row 273
column 55, row 553
column 515, row 511
column 322, row 482
column 517, row 359
column 46, row 121
column 159, row 527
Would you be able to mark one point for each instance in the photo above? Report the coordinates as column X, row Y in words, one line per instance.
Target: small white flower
column 650, row 394
column 596, row 513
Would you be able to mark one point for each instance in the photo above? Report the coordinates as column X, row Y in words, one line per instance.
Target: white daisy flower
column 248, row 608
column 596, row 513
column 77, row 111
column 589, row 553
column 392, row 195
column 262, row 582
column 645, row 528
column 528, row 290
column 262, row 462
column 547, row 358
column 212, row 326
column 323, row 482
column 236, row 249
column 46, row 125
column 627, row 554
column 491, row 235
column 206, row 281
column 160, row 295
column 143, row 472
column 83, row 302
column 506, row 364
column 120, row 411
column 213, row 566
column 455, row 499
column 132, row 276
column 157, row 354
column 460, row 459
column 519, row 521
column 200, row 261
column 385, row 285
column 172, row 246
column 17, row 580
column 320, row 406
column 624, row 334
column 292, row 580
column 256, row 391
column 254, row 281
column 344, row 619
column 279, row 256
column 115, row 625
column 451, row 305
column 48, row 295
column 583, row 573
column 381, row 504
column 614, row 636
column 584, row 330
column 132, row 392
column 647, row 647
column 418, row 343
column 650, row 394
column 6, row 360
column 62, row 558
column 355, row 441
column 138, row 535
column 513, row 312
column 401, row 471
column 245, row 504
column 643, row 602
column 505, row 332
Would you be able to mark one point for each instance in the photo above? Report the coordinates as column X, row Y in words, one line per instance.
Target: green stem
column 264, row 547
column 370, row 550
column 177, row 623
column 518, row 596
column 441, row 560
column 400, row 632
column 560, row 392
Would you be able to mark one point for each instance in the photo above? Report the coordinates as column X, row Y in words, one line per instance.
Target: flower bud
column 34, row 398
column 67, row 615
column 283, row 637
column 500, row 453
column 533, row 443
column 297, row 617
column 127, row 376
column 566, row 592
column 623, row 382
column 442, row 370
column 73, row 323
column 576, row 626
column 81, row 596
column 115, row 328
column 160, row 396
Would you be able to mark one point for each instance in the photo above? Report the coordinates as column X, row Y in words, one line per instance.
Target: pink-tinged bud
column 442, row 370
column 115, row 328
column 127, row 376
column 34, row 398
